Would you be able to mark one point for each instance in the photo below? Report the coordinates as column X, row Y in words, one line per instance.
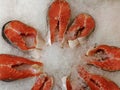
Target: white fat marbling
column 58, row 61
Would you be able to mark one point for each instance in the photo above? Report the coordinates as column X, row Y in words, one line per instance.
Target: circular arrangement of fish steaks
column 76, row 55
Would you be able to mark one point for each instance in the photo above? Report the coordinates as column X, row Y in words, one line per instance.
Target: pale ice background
column 60, row 62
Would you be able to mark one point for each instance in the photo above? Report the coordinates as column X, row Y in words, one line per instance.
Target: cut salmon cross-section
column 105, row 57
column 20, row 35
column 14, row 67
column 43, row 82
column 81, row 27
column 58, row 19
column 96, row 82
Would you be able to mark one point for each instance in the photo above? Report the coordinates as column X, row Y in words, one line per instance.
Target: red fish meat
column 96, row 82
column 14, row 67
column 58, row 18
column 105, row 57
column 43, row 82
column 20, row 35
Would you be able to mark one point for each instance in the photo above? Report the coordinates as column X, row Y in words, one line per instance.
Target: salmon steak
column 43, row 82
column 19, row 35
column 81, row 27
column 105, row 57
column 96, row 82
column 58, row 19
column 14, row 67
column 65, row 68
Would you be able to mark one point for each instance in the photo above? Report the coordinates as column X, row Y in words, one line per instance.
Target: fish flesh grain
column 96, row 82
column 80, row 29
column 19, row 35
column 58, row 19
column 43, row 82
column 15, row 67
column 105, row 57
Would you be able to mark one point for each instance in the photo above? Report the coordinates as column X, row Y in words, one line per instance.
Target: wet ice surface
column 58, row 61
